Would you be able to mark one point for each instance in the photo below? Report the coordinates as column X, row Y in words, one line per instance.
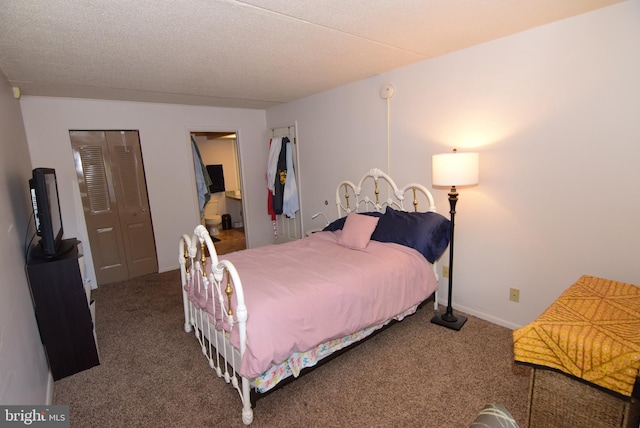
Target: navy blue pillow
column 339, row 223
column 429, row 232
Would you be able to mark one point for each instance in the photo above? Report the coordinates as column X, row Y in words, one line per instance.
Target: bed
column 266, row 315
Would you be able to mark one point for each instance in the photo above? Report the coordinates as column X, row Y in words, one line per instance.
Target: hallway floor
column 230, row 240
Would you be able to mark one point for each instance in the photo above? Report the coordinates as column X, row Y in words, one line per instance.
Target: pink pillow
column 357, row 231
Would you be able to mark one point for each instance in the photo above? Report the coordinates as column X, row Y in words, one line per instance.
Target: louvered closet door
column 133, row 205
column 114, row 197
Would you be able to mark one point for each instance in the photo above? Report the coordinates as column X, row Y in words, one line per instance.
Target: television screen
column 217, row 178
column 46, row 210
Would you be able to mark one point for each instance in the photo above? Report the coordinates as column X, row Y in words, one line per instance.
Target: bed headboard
column 373, row 186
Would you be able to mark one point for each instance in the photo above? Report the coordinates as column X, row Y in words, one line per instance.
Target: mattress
column 313, row 292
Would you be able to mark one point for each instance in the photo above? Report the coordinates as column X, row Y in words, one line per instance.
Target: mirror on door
column 222, row 213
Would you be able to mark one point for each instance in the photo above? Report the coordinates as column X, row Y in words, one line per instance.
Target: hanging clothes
column 281, row 177
column 275, row 145
column 272, row 166
column 290, row 200
column 203, row 181
column 282, row 189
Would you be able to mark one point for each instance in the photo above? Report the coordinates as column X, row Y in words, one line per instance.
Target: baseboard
column 169, row 268
column 50, row 389
column 483, row 315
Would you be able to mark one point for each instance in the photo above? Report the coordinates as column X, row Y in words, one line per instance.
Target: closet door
column 130, row 186
column 114, row 198
column 289, row 229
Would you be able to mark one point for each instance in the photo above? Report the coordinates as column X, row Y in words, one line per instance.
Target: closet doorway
column 218, row 151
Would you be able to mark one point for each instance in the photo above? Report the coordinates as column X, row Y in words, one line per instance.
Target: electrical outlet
column 514, row 295
column 445, row 271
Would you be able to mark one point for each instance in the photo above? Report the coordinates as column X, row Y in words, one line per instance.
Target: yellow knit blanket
column 592, row 331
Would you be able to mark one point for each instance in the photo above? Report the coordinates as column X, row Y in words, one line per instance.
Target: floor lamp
column 453, row 169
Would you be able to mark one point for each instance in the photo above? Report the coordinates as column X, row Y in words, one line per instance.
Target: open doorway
column 223, row 211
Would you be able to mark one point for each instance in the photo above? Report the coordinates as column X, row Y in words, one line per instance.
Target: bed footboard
column 209, row 286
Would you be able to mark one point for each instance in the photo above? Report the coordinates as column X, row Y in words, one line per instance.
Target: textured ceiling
column 248, row 53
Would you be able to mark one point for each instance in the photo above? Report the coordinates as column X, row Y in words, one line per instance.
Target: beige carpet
column 414, row 374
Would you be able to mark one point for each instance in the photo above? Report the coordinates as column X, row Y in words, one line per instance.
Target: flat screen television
column 46, row 211
column 217, row 178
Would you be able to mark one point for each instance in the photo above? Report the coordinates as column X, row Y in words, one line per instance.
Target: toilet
column 212, row 219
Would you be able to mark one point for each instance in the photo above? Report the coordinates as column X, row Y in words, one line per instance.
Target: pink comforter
column 312, row 290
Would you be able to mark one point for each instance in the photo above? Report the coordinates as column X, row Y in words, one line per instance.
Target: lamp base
column 454, row 322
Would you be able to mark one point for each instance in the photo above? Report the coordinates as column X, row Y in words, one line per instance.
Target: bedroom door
column 114, row 199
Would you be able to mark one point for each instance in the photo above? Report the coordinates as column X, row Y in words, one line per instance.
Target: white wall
column 24, row 373
column 554, row 114
column 166, row 151
column 222, row 151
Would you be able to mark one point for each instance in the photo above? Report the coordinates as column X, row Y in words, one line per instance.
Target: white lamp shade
column 455, row 169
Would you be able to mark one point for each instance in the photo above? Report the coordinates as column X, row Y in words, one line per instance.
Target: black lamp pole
column 448, row 319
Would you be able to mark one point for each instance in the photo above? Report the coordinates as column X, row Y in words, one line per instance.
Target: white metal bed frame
column 223, row 357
